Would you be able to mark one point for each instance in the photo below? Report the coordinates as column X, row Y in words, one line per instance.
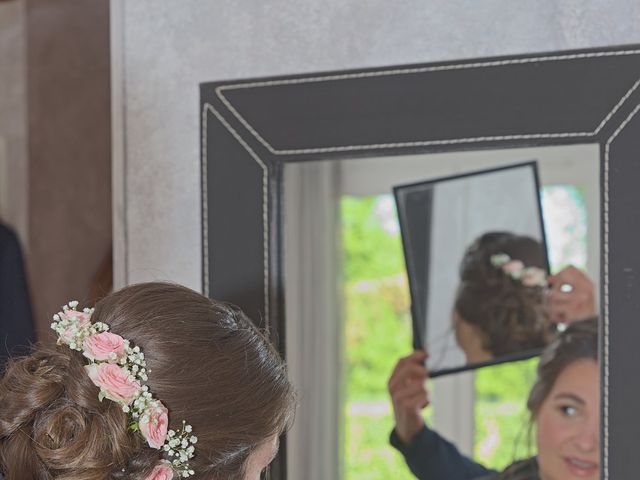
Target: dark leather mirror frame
column 252, row 129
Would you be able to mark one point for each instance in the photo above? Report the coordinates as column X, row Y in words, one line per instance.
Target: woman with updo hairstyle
column 207, row 364
column 494, row 313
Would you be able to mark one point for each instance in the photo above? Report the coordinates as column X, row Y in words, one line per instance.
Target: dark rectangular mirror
column 447, row 226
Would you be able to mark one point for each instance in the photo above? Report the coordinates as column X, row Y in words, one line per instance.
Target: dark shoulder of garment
column 431, row 457
column 16, row 323
column 521, row 470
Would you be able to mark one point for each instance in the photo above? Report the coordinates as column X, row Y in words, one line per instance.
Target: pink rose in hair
column 114, row 382
column 513, row 266
column 105, row 346
column 153, row 425
column 82, row 320
column 161, row 472
column 534, row 277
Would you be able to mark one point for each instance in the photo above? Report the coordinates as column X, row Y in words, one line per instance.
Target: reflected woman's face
column 568, row 425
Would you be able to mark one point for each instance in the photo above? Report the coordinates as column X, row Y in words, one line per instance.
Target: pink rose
column 153, row 425
column 114, row 382
column 104, row 346
column 82, row 317
column 534, row 277
column 513, row 266
column 161, row 472
column 82, row 320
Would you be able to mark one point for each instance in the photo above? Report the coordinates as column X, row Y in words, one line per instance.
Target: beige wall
column 55, row 154
column 69, row 149
column 13, row 117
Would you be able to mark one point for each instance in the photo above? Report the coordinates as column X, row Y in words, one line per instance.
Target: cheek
column 551, row 433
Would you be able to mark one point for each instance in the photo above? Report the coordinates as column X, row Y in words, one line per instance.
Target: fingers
column 409, row 394
column 416, row 358
column 562, row 299
column 579, row 302
column 572, row 276
column 408, row 369
column 409, row 390
column 414, row 402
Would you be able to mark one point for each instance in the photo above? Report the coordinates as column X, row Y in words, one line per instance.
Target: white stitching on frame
column 205, row 205
column 265, row 205
column 616, row 108
column 348, row 148
column 606, row 288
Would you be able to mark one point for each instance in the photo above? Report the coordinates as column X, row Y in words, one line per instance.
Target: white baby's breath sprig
column 73, row 326
column 179, row 447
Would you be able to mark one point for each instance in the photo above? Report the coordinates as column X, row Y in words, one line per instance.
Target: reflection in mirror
column 477, row 264
column 348, row 309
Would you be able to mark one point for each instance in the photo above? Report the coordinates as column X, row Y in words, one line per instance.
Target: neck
column 470, row 340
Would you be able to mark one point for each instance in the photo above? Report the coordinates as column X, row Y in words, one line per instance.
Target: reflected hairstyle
column 509, row 316
column 207, row 362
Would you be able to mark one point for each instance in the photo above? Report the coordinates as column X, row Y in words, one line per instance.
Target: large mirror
column 300, row 228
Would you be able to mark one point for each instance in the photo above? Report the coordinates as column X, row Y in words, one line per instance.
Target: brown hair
column 207, row 363
column 509, row 315
column 579, row 341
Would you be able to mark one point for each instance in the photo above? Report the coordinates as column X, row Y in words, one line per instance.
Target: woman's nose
column 588, row 437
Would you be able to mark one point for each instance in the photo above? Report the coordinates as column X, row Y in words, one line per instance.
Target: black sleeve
column 16, row 323
column 431, row 457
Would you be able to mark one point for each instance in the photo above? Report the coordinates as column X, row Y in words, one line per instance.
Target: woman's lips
column 581, row 468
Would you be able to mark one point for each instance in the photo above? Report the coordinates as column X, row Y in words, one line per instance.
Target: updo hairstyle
column 207, row 363
column 508, row 315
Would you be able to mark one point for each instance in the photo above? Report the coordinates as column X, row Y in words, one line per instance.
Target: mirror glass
column 474, row 244
column 348, row 307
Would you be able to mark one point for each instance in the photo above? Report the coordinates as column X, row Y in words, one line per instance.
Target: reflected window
column 376, row 300
column 502, row 433
column 565, row 222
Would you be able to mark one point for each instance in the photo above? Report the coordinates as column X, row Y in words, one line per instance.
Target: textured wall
column 166, row 48
column 69, row 149
column 13, row 117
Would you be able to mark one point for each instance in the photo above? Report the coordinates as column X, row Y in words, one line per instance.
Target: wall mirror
column 300, row 229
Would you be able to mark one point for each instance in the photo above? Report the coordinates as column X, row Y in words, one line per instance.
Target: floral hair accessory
column 119, row 370
column 528, row 276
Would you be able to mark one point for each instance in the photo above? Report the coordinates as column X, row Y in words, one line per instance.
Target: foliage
column 370, row 252
column 369, row 455
column 502, row 420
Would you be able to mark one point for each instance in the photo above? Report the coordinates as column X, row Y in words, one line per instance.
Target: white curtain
column 313, row 326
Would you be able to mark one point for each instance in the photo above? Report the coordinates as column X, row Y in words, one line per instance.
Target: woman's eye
column 568, row 410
